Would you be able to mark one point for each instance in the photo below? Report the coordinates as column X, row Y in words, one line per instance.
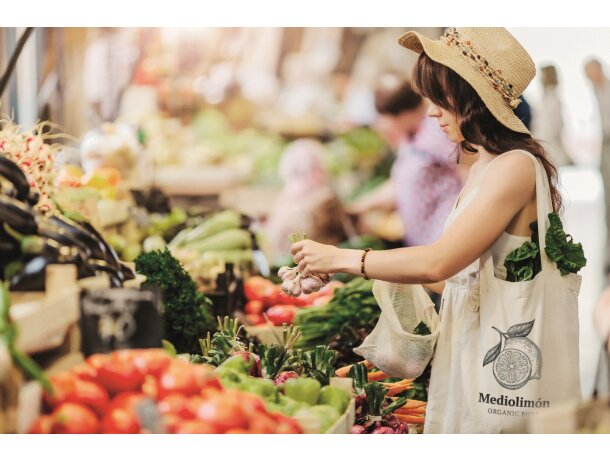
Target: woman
column 473, row 78
column 548, row 120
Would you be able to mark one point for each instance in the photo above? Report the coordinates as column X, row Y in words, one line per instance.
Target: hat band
column 452, row 38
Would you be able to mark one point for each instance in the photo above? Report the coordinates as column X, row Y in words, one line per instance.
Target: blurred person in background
column 109, row 67
column 425, row 178
column 601, row 87
column 548, row 120
column 307, row 202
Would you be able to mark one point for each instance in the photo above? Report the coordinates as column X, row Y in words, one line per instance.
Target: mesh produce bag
column 392, row 346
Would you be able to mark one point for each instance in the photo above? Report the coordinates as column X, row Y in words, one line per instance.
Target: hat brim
column 442, row 53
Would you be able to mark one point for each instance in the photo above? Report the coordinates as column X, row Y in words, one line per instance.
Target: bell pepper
column 261, row 387
column 335, row 397
column 326, row 415
column 237, row 363
column 303, row 389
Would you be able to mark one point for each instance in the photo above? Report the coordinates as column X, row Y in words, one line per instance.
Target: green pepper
column 326, row 415
column 289, row 406
column 238, row 363
column 261, row 387
column 303, row 389
column 230, row 377
column 335, row 397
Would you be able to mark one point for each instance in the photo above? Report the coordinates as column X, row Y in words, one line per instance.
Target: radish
column 358, row 429
column 282, row 377
column 383, row 430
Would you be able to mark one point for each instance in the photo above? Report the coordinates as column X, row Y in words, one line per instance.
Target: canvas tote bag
column 527, row 347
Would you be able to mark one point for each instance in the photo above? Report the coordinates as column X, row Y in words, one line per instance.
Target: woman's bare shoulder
column 515, row 169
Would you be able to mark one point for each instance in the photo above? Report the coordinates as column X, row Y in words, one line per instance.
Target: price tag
column 113, row 319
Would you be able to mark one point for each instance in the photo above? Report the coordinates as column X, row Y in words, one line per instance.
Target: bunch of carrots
column 413, row 411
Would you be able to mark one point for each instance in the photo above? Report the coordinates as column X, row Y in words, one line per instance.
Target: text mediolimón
column 517, row 401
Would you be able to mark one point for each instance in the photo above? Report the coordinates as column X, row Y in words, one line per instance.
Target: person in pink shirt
column 426, row 178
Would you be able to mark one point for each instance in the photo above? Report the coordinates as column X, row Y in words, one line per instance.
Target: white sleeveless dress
column 447, row 412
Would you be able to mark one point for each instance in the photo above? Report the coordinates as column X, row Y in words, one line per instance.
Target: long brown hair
column 448, row 90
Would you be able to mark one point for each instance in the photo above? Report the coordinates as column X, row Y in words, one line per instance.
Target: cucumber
column 229, row 239
column 215, row 224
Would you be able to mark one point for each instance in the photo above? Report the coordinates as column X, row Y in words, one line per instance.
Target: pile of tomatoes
column 266, row 297
column 148, row 391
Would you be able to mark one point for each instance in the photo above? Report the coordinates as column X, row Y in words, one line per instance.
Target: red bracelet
column 362, row 272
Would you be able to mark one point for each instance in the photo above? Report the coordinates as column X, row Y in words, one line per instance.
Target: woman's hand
column 317, row 258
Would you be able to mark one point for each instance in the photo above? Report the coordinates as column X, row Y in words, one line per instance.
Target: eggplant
column 112, row 254
column 96, row 248
column 33, row 274
column 13, row 173
column 60, row 235
column 128, row 273
column 20, row 216
column 116, row 277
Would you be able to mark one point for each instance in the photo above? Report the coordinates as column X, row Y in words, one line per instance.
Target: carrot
column 343, row 371
column 410, row 411
column 396, row 389
column 413, row 404
column 378, row 375
column 411, row 418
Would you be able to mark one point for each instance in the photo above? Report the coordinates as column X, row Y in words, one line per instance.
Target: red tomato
column 252, row 405
column 171, row 422
column 262, row 423
column 86, row 372
column 150, row 387
column 281, row 314
column 175, row 404
column 254, row 287
column 70, row 418
column 128, row 401
column 196, row 427
column 254, row 307
column 120, row 374
column 238, row 431
column 97, row 360
column 42, row 425
column 89, row 394
column 282, row 298
column 255, row 319
column 120, row 421
column 285, row 424
column 151, row 361
column 179, row 377
column 223, row 412
column 63, row 386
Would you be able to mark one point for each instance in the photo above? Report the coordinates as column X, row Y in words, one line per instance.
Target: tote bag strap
column 544, row 206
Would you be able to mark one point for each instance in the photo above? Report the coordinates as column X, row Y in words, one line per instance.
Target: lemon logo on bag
column 516, row 359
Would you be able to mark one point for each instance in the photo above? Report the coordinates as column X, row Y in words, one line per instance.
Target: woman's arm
column 437, row 288
column 508, row 187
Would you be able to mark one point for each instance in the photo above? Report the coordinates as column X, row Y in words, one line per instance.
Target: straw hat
column 490, row 59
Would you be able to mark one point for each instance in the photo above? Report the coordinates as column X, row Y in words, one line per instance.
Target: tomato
column 89, row 394
column 196, row 427
column 120, row 421
column 285, row 424
column 179, row 377
column 255, row 286
column 97, row 360
column 251, row 404
column 171, row 422
column 223, row 412
column 120, row 374
column 238, row 431
column 175, row 404
column 150, row 387
column 128, row 400
column 262, row 423
column 151, row 361
column 70, row 418
column 255, row 319
column 254, row 307
column 281, row 314
column 63, row 386
column 322, row 300
column 86, row 372
column 282, row 298
column 42, row 425
column 205, row 376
